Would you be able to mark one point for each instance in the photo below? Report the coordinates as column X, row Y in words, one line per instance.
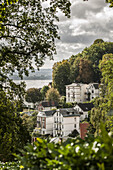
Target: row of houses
column 62, row 122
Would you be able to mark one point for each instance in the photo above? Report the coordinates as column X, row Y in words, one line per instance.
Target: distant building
column 45, row 122
column 92, row 91
column 75, row 92
column 78, row 92
column 65, row 121
column 47, row 105
column 82, row 109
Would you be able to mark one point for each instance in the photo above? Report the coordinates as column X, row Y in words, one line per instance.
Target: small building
column 75, row 92
column 92, row 91
column 65, row 121
column 47, row 105
column 45, row 122
column 82, row 109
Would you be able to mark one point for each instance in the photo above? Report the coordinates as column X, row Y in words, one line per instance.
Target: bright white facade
column 45, row 122
column 65, row 121
column 82, row 109
column 75, row 92
column 78, row 92
column 93, row 91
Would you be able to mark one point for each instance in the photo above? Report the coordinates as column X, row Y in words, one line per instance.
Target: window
column 92, row 91
column 75, row 125
column 75, row 118
column 68, row 94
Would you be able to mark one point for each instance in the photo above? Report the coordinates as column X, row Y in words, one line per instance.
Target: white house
column 45, row 122
column 65, row 121
column 92, row 91
column 82, row 109
column 75, row 92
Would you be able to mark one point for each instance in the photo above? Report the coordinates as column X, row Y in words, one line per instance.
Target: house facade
column 78, row 92
column 92, row 91
column 82, row 109
column 45, row 122
column 65, row 121
column 75, row 92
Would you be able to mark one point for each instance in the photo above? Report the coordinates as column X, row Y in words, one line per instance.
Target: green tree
column 53, row 95
column 13, row 135
column 61, row 76
column 44, row 91
column 33, row 95
column 105, row 103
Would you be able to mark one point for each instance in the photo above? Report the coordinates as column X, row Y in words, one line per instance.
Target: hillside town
column 56, row 85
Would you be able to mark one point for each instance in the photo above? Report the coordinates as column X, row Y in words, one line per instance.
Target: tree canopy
column 33, row 95
column 29, row 36
column 53, row 95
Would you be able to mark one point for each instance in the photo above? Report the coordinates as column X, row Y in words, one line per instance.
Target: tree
column 44, row 91
column 13, row 135
column 52, row 95
column 85, row 71
column 29, row 36
column 105, row 103
column 33, row 95
column 61, row 76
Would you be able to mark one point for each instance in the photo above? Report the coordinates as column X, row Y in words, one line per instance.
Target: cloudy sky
column 89, row 20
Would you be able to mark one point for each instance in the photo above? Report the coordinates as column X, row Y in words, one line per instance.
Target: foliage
column 30, row 121
column 104, row 104
column 33, row 95
column 13, row 135
column 29, row 37
column 61, row 76
column 85, row 73
column 74, row 133
column 53, row 95
column 44, row 91
column 111, row 2
column 83, row 67
column 91, row 153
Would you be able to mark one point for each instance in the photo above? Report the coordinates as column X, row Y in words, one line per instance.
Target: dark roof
column 86, row 106
column 49, row 104
column 69, row 112
column 96, row 85
column 50, row 112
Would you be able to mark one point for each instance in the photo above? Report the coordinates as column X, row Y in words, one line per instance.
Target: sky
column 89, row 21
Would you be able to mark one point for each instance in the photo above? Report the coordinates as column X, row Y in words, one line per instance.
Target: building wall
column 82, row 116
column 76, row 93
column 63, row 126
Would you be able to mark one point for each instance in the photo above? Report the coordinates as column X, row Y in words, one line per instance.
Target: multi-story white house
column 92, row 91
column 75, row 92
column 78, row 92
column 45, row 122
column 82, row 109
column 65, row 121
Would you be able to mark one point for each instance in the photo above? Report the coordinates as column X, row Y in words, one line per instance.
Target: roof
column 50, row 112
column 73, row 84
column 49, row 104
column 86, row 106
column 69, row 112
column 96, row 85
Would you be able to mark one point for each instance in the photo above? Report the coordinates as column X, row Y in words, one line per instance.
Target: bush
column 89, row 154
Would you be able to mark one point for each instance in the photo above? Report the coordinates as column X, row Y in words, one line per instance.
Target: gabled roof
column 50, row 112
column 86, row 106
column 69, row 112
column 96, row 85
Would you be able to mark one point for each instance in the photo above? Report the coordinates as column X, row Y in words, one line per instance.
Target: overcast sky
column 89, row 20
